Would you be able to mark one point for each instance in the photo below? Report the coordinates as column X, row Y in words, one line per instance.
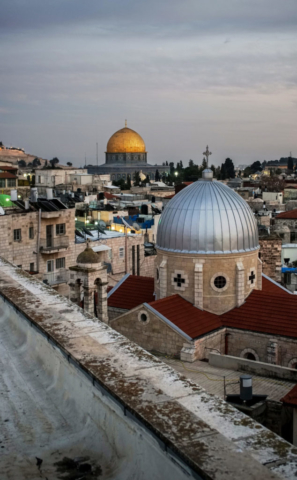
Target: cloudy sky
column 184, row 73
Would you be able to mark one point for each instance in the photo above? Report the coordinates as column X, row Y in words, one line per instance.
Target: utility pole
column 97, row 154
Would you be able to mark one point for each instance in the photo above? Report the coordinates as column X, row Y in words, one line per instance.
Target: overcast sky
column 184, row 73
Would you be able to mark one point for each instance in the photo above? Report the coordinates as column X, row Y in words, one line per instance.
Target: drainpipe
column 38, row 239
column 226, row 342
column 126, row 251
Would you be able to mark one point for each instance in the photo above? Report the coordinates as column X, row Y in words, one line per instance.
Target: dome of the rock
column 125, row 141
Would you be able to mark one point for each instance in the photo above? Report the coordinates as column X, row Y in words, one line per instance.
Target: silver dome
column 207, row 217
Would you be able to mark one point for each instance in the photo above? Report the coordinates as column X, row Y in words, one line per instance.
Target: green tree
column 36, row 162
column 157, row 176
column 69, row 164
column 256, row 167
column 128, row 182
column 54, row 161
column 22, row 163
column 136, row 178
column 290, row 164
column 204, row 164
column 191, row 163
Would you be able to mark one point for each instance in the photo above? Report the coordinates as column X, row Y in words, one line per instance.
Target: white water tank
column 49, row 193
column 13, row 195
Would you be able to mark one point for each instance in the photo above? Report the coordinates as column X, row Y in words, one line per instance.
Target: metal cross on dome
column 207, row 153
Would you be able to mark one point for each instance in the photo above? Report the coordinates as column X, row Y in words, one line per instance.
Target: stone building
column 270, row 255
column 209, row 290
column 285, row 224
column 125, row 154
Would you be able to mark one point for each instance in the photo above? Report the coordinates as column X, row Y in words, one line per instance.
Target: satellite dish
column 2, row 211
column 102, row 224
column 136, row 226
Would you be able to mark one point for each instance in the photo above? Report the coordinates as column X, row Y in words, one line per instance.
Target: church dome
column 125, row 141
column 207, row 217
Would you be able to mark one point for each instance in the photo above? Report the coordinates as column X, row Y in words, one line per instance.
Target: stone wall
column 115, row 313
column 152, row 334
column 283, row 352
column 200, row 288
column 214, row 342
column 270, row 254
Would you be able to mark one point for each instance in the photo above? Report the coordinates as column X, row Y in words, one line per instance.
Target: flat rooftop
column 212, row 379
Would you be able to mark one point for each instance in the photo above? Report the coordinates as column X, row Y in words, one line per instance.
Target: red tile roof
column 109, row 196
column 292, row 214
column 265, row 311
column 7, row 175
column 134, row 291
column 291, row 397
column 270, row 310
column 6, row 169
column 186, row 317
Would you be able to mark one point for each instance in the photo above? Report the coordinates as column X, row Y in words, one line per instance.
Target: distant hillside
column 14, row 155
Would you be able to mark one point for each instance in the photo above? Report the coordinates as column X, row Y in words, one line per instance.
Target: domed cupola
column 207, row 217
column 207, row 247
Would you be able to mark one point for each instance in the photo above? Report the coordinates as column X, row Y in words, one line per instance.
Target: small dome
column 125, row 141
column 207, row 217
column 88, row 256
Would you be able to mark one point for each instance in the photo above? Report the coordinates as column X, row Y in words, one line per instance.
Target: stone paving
column 212, row 379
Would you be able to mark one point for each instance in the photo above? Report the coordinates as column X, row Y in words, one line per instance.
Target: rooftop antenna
column 207, row 153
column 97, row 154
column 85, row 160
column 126, row 123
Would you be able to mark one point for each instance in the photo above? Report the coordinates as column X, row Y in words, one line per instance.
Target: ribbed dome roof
column 207, row 217
column 125, row 141
column 88, row 256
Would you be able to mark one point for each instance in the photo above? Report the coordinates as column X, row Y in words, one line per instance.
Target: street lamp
column 176, row 174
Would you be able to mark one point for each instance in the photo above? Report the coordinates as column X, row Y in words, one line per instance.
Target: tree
column 223, row 174
column 166, row 164
column 157, row 176
column 36, row 162
column 272, row 184
column 213, row 168
column 204, row 164
column 191, row 163
column 256, row 167
column 229, row 166
column 69, row 164
column 136, row 178
column 147, row 180
column 22, row 163
column 171, row 165
column 54, row 161
column 290, row 164
column 128, row 182
column 1, row 144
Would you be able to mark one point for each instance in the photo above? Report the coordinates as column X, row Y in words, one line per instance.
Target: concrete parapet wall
column 136, row 414
column 250, row 366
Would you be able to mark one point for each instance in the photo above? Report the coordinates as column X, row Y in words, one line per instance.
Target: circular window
column 220, row 282
column 143, row 317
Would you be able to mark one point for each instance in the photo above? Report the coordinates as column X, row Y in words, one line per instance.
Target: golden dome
column 125, row 141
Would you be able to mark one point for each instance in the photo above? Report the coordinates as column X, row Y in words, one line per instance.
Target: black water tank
column 246, row 387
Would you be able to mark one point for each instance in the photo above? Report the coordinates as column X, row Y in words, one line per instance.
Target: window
column 292, row 237
column 11, row 182
column 60, row 229
column 122, row 252
column 60, row 263
column 143, row 317
column 50, row 266
column 250, row 356
column 31, row 232
column 2, row 182
column 31, row 267
column 220, row 281
column 287, row 278
column 17, row 235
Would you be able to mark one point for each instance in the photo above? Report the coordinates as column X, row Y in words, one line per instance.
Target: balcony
column 54, row 244
column 55, row 278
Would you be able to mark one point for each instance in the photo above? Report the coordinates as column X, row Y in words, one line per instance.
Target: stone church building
column 208, row 292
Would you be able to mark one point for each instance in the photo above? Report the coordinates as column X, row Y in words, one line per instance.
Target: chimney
column 49, row 193
column 13, row 195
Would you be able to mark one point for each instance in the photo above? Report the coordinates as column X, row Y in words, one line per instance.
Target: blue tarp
column 289, row 269
column 135, row 218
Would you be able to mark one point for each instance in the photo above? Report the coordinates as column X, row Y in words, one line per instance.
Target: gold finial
column 126, row 123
